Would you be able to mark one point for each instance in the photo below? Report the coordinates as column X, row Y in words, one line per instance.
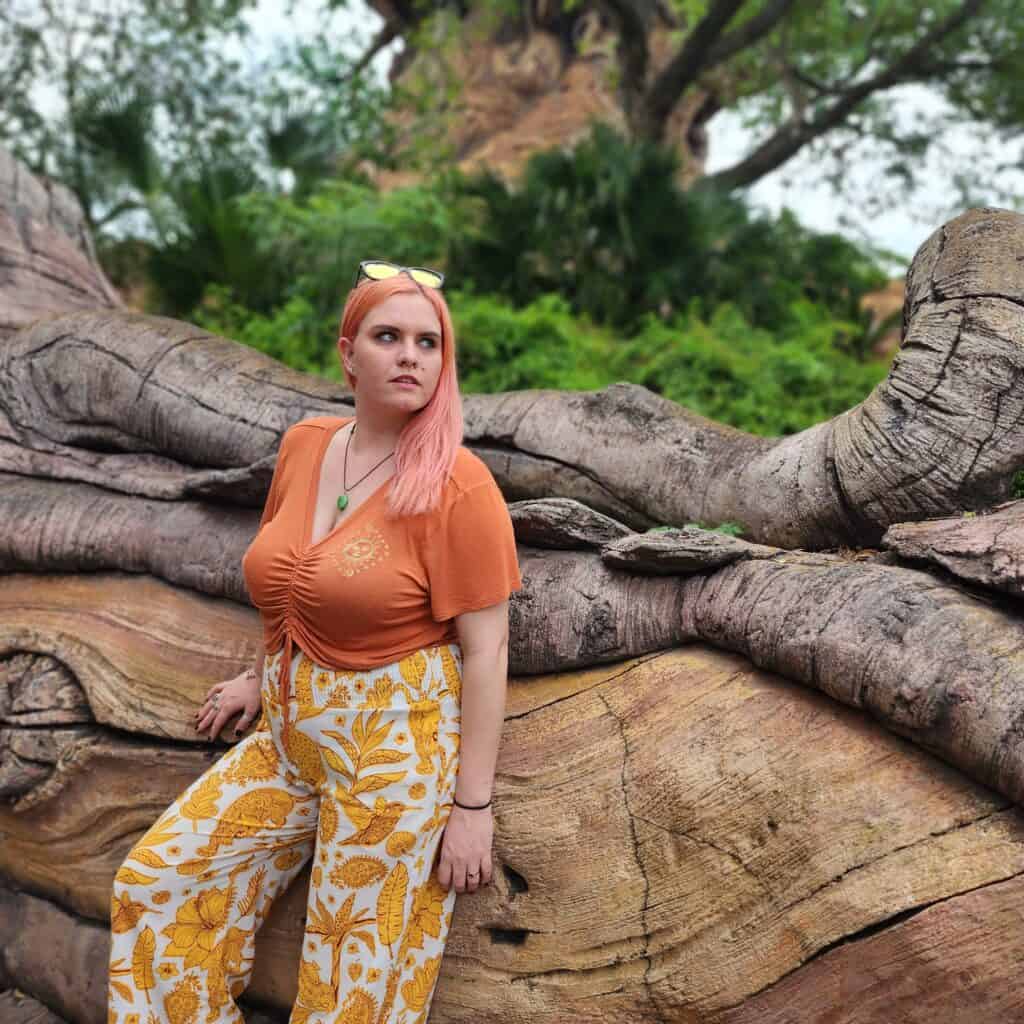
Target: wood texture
column 944, row 432
column 985, row 549
column 71, row 977
column 739, row 778
column 18, row 1008
column 47, row 262
column 674, row 836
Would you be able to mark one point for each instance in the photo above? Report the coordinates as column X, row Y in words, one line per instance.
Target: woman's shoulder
column 468, row 471
column 318, row 423
column 313, row 425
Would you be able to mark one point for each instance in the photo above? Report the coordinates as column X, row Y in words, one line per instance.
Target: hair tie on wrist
column 473, row 807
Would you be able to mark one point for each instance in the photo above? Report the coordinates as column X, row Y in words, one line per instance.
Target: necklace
column 343, row 498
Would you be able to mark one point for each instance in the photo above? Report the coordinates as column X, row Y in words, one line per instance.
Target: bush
column 501, row 348
column 294, row 334
column 607, row 226
column 720, row 367
column 729, row 371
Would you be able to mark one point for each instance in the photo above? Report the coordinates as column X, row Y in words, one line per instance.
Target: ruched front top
column 375, row 588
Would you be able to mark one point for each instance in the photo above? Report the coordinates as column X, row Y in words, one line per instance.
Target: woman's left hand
column 465, row 858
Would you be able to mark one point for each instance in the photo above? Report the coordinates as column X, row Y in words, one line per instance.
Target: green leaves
column 607, row 226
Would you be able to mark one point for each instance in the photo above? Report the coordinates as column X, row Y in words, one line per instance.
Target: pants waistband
column 431, row 674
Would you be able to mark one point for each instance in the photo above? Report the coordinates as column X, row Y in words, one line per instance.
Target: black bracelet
column 473, row 807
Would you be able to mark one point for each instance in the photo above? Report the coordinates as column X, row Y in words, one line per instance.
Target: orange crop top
column 373, row 589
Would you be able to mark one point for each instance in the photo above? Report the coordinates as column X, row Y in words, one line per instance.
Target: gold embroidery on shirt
column 361, row 552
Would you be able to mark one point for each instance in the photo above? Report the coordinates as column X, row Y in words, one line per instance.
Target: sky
column 901, row 230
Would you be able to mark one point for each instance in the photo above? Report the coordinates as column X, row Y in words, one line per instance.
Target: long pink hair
column 430, row 441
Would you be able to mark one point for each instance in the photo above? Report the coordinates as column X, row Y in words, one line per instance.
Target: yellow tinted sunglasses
column 379, row 270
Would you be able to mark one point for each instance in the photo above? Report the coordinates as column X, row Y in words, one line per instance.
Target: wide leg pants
column 364, row 786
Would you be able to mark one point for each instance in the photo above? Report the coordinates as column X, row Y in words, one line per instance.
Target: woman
column 382, row 569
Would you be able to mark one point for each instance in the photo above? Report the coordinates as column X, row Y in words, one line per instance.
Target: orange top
column 375, row 588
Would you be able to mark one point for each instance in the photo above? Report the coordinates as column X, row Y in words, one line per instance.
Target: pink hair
column 430, row 441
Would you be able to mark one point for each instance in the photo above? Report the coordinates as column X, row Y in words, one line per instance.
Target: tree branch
column 682, row 70
column 948, row 67
column 749, row 32
column 666, row 14
column 389, row 31
column 821, row 88
column 634, row 53
column 115, row 211
column 790, row 138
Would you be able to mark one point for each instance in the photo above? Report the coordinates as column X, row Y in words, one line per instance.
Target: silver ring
column 216, row 699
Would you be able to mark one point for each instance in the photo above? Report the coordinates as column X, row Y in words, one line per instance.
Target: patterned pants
column 365, row 786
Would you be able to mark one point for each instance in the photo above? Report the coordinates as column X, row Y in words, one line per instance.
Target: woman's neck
column 377, row 432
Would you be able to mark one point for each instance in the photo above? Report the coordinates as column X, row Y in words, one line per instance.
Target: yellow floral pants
column 363, row 781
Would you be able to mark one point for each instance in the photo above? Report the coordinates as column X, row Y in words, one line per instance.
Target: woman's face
column 400, row 336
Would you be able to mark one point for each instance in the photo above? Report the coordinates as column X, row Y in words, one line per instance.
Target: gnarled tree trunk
column 740, row 779
column 47, row 261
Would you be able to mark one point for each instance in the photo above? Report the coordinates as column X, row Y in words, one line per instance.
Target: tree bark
column 741, row 840
column 943, row 432
column 985, row 550
column 47, row 261
column 733, row 829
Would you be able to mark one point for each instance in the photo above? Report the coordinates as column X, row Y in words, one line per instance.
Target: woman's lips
column 406, row 383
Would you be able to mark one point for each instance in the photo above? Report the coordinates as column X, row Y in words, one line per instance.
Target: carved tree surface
column 47, row 261
column 944, row 431
column 731, row 828
column 739, row 777
column 987, row 550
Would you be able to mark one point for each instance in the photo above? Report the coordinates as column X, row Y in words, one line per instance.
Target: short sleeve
column 471, row 557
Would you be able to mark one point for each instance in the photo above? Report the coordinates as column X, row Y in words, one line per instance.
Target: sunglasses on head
column 380, row 270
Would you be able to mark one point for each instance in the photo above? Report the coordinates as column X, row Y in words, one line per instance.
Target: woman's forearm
column 484, row 685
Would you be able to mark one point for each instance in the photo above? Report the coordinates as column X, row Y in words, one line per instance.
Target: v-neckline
column 313, row 496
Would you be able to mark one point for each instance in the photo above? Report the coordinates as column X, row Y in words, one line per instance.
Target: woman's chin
column 404, row 400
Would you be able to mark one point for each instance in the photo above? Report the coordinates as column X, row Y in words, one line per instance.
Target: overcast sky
column 901, row 230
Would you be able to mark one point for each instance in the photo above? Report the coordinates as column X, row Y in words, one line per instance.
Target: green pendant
column 342, row 502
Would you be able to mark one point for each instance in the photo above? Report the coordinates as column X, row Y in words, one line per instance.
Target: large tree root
column 673, row 836
column 737, row 841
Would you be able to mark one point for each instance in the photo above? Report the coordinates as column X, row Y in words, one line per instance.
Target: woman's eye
column 391, row 334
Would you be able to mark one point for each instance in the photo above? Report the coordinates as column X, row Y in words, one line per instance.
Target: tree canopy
column 818, row 74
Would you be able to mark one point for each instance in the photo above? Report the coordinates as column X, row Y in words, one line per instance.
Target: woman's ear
column 344, row 353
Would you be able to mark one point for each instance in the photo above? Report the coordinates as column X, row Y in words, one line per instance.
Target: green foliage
column 205, row 237
column 721, row 368
column 145, row 99
column 322, row 238
column 607, row 226
column 293, row 334
column 832, row 47
column 727, row 370
column 617, row 239
column 540, row 346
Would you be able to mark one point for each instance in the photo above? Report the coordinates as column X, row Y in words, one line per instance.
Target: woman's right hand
column 241, row 694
